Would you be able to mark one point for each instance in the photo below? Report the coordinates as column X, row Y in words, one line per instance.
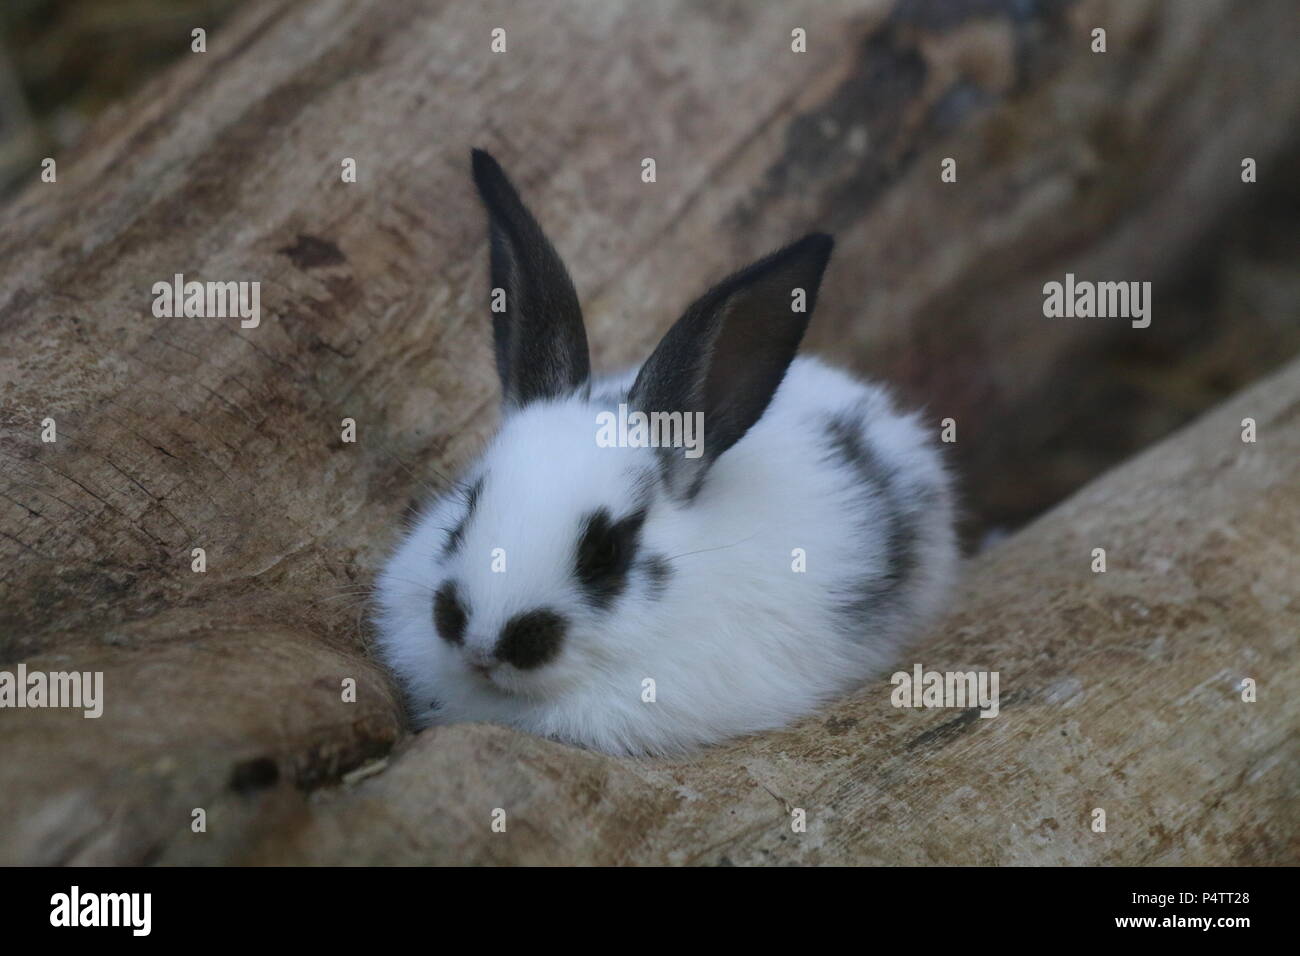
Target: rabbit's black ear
column 541, row 345
column 727, row 354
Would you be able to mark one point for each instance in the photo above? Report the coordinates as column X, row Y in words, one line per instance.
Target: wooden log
column 223, row 688
column 1119, row 691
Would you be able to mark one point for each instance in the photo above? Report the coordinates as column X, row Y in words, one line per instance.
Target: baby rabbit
column 650, row 600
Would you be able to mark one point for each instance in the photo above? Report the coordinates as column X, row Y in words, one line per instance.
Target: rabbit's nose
column 481, row 661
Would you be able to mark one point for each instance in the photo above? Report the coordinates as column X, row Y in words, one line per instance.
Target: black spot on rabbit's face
column 606, row 550
column 532, row 639
column 449, row 614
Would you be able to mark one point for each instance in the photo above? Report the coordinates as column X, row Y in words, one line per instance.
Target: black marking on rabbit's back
column 847, row 443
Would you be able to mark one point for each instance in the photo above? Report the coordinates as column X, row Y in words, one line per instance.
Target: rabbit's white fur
column 781, row 568
column 734, row 638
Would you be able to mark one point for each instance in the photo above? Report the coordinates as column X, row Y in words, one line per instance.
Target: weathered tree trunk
column 223, row 688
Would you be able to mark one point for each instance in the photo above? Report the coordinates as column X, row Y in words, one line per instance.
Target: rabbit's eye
column 598, row 549
column 605, row 551
column 449, row 615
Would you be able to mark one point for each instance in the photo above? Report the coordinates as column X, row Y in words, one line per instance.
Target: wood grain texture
column 177, row 433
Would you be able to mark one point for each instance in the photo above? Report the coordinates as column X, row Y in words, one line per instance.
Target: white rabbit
column 637, row 600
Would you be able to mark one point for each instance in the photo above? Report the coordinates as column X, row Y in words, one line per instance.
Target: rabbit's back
column 853, row 497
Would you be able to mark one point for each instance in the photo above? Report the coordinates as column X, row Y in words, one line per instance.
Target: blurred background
column 63, row 63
